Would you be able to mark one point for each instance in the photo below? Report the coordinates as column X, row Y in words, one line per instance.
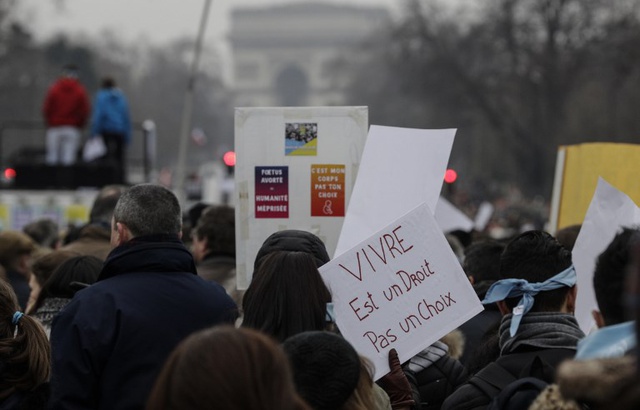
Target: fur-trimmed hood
column 455, row 341
column 597, row 383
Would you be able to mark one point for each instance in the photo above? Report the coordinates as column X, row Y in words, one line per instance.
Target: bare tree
column 517, row 77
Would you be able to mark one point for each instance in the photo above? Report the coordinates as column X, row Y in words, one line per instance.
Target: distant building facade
column 282, row 55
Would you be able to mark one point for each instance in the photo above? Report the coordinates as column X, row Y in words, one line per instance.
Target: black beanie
column 295, row 241
column 326, row 368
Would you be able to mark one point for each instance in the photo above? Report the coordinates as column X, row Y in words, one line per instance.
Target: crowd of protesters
column 135, row 311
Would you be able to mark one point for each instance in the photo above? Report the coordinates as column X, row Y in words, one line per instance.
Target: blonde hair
column 362, row 397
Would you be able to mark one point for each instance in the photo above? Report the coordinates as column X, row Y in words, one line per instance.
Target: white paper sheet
column 609, row 211
column 401, row 168
column 401, row 288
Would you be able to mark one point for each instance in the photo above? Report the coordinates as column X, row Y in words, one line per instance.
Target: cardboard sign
column 610, row 210
column 401, row 169
column 577, row 171
column 401, row 288
column 327, row 190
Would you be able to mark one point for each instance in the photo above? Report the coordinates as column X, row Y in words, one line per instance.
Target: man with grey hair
column 111, row 340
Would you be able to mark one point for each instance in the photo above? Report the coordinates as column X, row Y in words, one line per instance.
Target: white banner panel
column 295, row 169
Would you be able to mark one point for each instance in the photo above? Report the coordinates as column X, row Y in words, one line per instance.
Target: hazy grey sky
column 157, row 20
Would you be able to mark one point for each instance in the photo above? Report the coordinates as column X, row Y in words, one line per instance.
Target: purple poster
column 272, row 192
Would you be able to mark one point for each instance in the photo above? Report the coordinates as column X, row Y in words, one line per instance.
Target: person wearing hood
column 111, row 122
column 66, row 111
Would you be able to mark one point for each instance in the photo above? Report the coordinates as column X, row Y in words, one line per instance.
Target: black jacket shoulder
column 438, row 381
column 470, row 397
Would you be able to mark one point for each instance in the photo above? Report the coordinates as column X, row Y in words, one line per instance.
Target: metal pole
column 187, row 108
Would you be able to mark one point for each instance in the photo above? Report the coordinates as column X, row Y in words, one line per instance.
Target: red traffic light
column 9, row 173
column 450, row 176
column 229, row 158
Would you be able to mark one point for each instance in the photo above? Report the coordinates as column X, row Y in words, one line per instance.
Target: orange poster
column 327, row 190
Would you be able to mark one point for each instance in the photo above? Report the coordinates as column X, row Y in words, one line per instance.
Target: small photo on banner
column 53, row 212
column 300, row 139
column 272, row 192
column 327, row 190
column 22, row 215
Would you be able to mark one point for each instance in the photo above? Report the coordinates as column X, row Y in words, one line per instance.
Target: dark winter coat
column 221, row 269
column 20, row 286
column 94, row 240
column 110, row 342
column 437, row 375
column 35, row 399
column 474, row 331
column 551, row 337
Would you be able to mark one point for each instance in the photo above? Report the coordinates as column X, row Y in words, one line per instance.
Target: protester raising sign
column 402, row 288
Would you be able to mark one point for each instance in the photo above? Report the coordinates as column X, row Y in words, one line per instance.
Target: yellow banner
column 618, row 164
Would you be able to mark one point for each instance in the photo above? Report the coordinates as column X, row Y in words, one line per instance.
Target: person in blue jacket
column 111, row 122
column 110, row 342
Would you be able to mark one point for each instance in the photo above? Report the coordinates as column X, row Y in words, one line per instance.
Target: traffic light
column 229, row 158
column 9, row 173
column 450, row 176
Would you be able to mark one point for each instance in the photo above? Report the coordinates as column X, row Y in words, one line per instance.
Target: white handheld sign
column 401, row 288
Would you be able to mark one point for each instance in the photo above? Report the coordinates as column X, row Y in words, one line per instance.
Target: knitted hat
column 295, row 241
column 13, row 244
column 326, row 368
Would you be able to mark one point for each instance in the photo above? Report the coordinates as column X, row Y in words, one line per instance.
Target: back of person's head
column 226, row 368
column 44, row 232
column 149, row 209
column 217, row 226
column 482, row 260
column 108, row 83
column 286, row 296
column 610, row 274
column 456, row 247
column 464, row 237
column 104, row 204
column 13, row 246
column 328, row 373
column 296, row 241
column 567, row 236
column 70, row 277
column 45, row 265
column 536, row 256
column 25, row 356
column 195, row 212
column 70, row 71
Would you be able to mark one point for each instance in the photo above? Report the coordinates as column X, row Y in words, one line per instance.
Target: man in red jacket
column 66, row 111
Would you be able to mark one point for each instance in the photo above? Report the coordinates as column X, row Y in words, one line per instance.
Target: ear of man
column 503, row 307
column 570, row 301
column 598, row 318
column 122, row 234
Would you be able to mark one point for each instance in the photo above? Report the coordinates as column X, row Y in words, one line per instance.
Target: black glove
column 396, row 385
